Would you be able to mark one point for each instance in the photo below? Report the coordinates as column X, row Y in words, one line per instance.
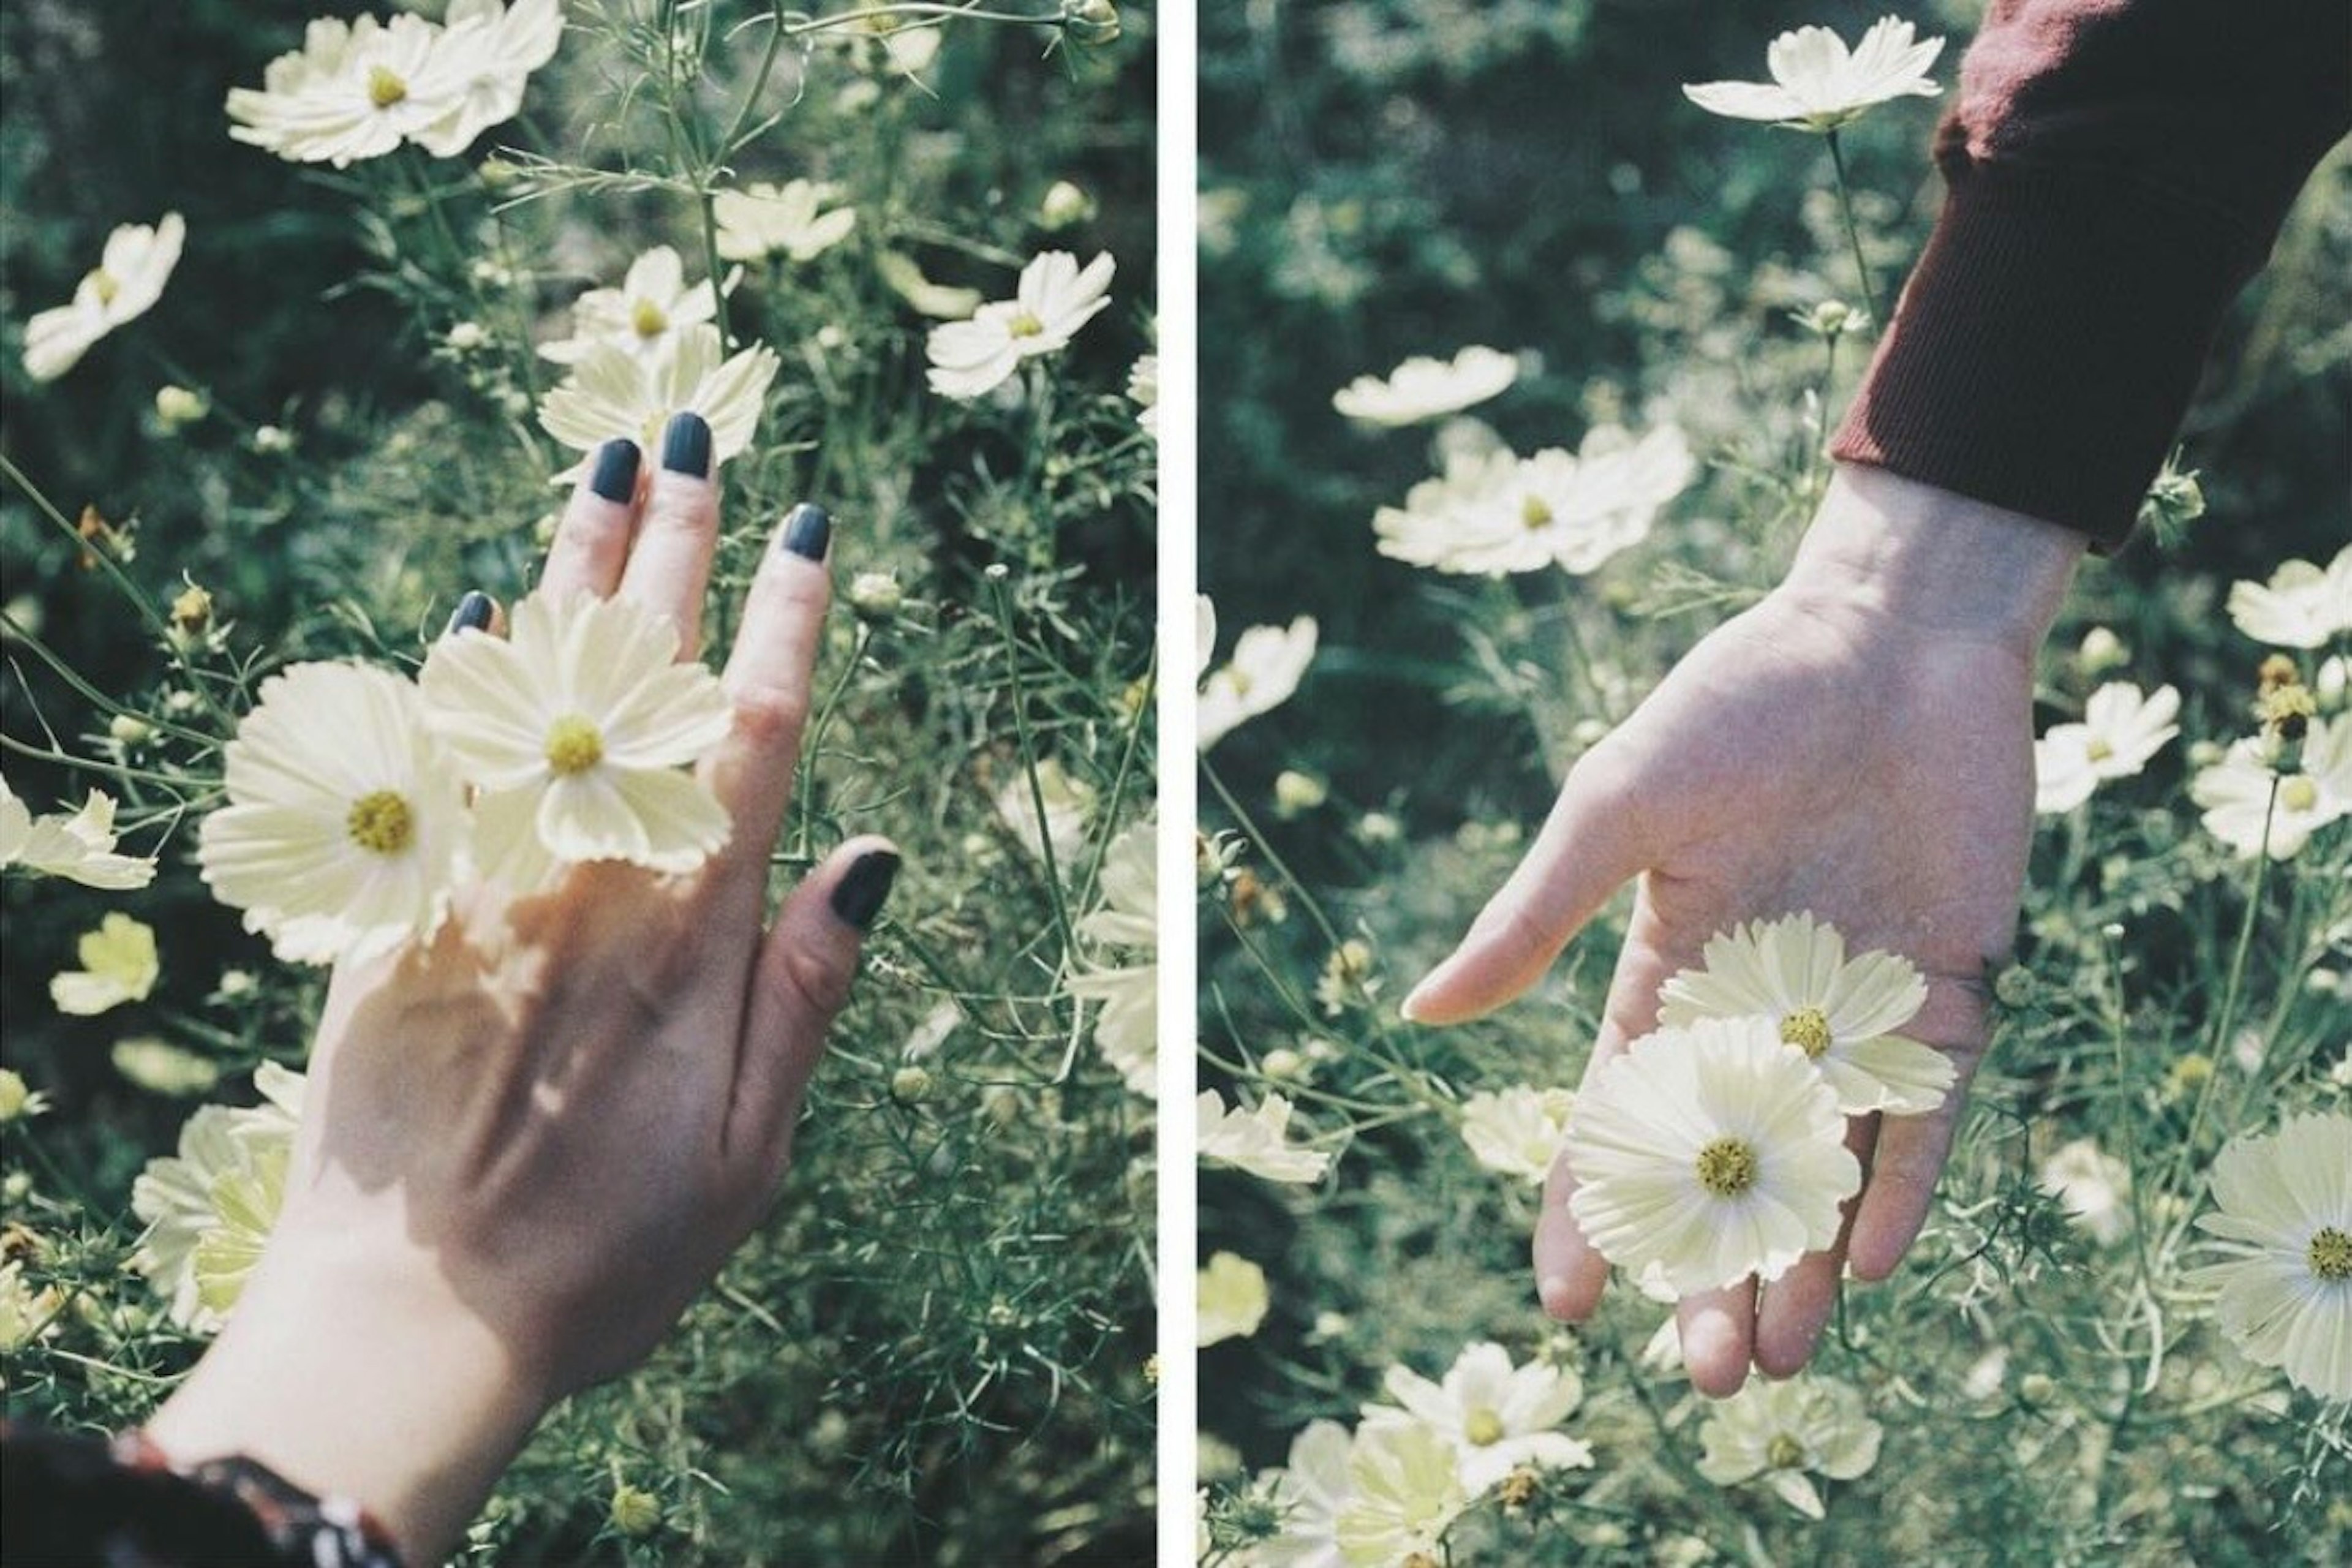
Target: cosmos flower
column 118, row 966
column 1129, row 1030
column 2284, row 1220
column 2302, row 606
column 1069, row 803
column 647, row 318
column 1268, row 664
column 125, row 284
column 1497, row 1416
column 2120, row 731
column 613, row 391
column 1407, row 1494
column 1253, row 1140
column 1781, row 1430
column 1818, row 85
column 2094, row 1187
column 489, row 50
column 763, row 219
column 1517, row 1130
column 1143, row 391
column 1424, row 388
column 1307, row 1494
column 1232, row 1299
column 78, row 849
column 1055, row 297
column 1492, row 514
column 2237, row 791
column 210, row 1208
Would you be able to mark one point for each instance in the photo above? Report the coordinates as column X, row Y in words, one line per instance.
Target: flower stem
column 1854, row 232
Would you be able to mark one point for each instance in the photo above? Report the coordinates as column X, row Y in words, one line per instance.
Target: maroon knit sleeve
column 2115, row 171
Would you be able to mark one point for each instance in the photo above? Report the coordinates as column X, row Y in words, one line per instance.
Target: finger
column 802, row 977
column 769, row 679
column 1719, row 1335
column 1793, row 1309
column 477, row 611
column 1591, row 844
column 591, row 542
column 1909, row 1157
column 670, row 563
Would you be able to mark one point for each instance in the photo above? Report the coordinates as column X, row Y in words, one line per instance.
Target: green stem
column 1854, row 232
column 1029, row 763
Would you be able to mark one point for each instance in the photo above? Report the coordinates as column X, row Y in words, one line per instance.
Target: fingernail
column 686, row 445
column 615, row 475
column 473, row 613
column 857, row 897
column 807, row 532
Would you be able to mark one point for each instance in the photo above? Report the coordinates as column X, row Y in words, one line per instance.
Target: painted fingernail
column 857, row 897
column 807, row 532
column 473, row 613
column 686, row 445
column 615, row 474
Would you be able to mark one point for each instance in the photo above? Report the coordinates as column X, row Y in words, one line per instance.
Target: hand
column 1859, row 745
column 525, row 1149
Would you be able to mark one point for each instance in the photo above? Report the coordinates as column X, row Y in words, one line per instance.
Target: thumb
column 799, row 982
column 1593, row 843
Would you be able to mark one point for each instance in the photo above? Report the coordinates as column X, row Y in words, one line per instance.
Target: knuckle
column 770, row 716
column 816, row 981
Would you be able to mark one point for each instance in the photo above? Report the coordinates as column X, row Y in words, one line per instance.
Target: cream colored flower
column 1143, row 391
column 1308, row 1493
column 2237, row 792
column 762, row 219
column 1818, row 85
column 1709, row 1154
column 2302, row 606
column 125, row 284
column 118, row 966
column 489, row 50
column 78, row 849
column 647, row 318
column 2120, row 731
column 26, row 1314
column 940, row 300
column 970, row 359
column 1781, row 1430
column 1794, row 974
column 345, row 828
column 1268, row 664
column 2094, row 1187
column 1069, row 807
column 1424, row 388
column 1232, row 1299
column 612, row 392
column 2285, row 1201
column 1407, row 1494
column 576, row 728
column 1491, row 514
column 1517, row 1132
column 1253, row 1140
column 1497, row 1416
column 354, row 90
column 210, row 1208
column 1129, row 1030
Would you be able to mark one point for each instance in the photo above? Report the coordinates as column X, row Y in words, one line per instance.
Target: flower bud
column 1063, row 206
column 876, row 595
column 177, row 406
column 2102, row 650
column 634, row 1512
column 910, row 1084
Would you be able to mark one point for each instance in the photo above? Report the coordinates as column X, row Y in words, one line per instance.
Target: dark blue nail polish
column 473, row 614
column 857, row 896
column 615, row 475
column 807, row 532
column 686, row 445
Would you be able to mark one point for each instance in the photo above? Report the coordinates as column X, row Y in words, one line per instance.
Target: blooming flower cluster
column 347, row 827
column 1493, row 513
column 1055, row 297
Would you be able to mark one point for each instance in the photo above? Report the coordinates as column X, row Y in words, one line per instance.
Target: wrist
column 1934, row 561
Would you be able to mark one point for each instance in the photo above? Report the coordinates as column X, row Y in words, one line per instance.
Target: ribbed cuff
column 2048, row 343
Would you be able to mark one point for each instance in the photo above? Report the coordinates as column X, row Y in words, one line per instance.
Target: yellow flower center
column 648, row 320
column 2298, row 793
column 1534, row 512
column 574, row 745
column 1726, row 1167
column 384, row 87
column 1483, row 1427
column 1784, row 1453
column 1807, row 1029
column 2331, row 1254
column 103, row 284
column 381, row 822
column 2098, row 751
column 1025, row 325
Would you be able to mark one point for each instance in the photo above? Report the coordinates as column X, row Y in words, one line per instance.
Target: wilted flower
column 1268, row 664
column 647, row 317
column 1424, row 388
column 1781, row 1430
column 2120, row 731
column 1129, row 1030
column 118, row 966
column 1818, row 85
column 1232, row 1299
column 2302, row 606
column 2284, row 1217
column 2253, row 808
column 1055, row 297
column 1493, row 514
column 1496, row 1417
column 210, row 1208
column 80, row 847
column 1253, row 1140
column 127, row 281
column 762, row 219
column 1518, row 1132
column 613, row 391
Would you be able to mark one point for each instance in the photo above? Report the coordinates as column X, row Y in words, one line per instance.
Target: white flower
column 1143, row 391
column 2286, row 1220
column 1054, row 299
column 25, row 1313
column 345, row 827
column 1491, row 513
column 1407, row 1494
column 2120, row 731
column 1498, row 1417
column 210, row 1208
column 1267, row 665
column 1129, row 1030
column 764, row 218
column 612, row 392
column 353, row 90
column 2301, row 606
column 1308, row 1494
column 2094, row 1185
column 1252, row 1140
column 1069, row 805
column 79, row 848
column 1424, row 388
column 943, row 301
column 127, row 281
column 488, row 51
column 1781, row 1430
column 1794, row 974
column 1818, row 85
column 1518, row 1132
column 118, row 966
column 2237, row 791
column 648, row 317
column 574, row 727
column 1709, row 1154
column 1232, row 1299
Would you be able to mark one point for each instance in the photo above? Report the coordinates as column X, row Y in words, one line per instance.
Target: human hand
column 526, row 1148
column 1859, row 745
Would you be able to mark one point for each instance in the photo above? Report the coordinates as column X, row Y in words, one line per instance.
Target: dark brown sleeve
column 2115, row 171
